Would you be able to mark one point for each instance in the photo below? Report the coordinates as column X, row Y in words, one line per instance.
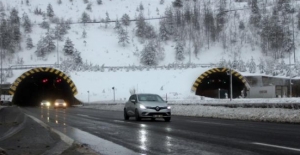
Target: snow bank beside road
column 252, row 114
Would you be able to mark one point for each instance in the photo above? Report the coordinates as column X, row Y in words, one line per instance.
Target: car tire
column 126, row 117
column 167, row 119
column 137, row 116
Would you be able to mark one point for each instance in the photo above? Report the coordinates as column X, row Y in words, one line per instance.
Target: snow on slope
column 102, row 48
column 102, row 43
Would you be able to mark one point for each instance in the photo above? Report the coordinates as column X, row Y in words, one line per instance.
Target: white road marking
column 123, row 121
column 277, row 146
column 83, row 115
column 87, row 116
column 209, row 123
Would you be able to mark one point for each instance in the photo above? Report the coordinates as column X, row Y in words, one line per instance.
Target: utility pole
column 88, row 96
column 230, row 83
column 113, row 88
column 1, row 68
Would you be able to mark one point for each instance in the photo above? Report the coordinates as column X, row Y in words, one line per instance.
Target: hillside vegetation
column 249, row 35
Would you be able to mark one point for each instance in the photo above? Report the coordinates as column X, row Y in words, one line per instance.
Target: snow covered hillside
column 83, row 35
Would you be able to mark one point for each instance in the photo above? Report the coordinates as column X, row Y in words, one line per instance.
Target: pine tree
column 252, row 66
column 84, row 34
column 162, row 2
column 41, row 50
column 85, row 17
column 149, row 55
column 177, row 3
column 29, row 44
column 89, row 7
column 27, row 2
column 77, row 57
column 179, row 51
column 242, row 25
column 170, row 24
column 298, row 18
column 149, row 31
column 45, row 24
column 14, row 17
column 123, row 36
column 125, row 20
column 99, row 2
column 117, row 25
column 68, row 47
column 48, row 42
column 59, row 2
column 220, row 18
column 85, row 1
column 141, row 7
column 107, row 19
column 163, row 32
column 141, row 26
column 255, row 17
column 6, row 36
column 27, row 23
column 50, row 12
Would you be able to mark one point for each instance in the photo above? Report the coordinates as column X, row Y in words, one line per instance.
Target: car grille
column 151, row 114
column 155, row 108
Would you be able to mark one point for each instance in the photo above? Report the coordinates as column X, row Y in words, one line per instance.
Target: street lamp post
column 113, row 88
column 230, row 77
column 88, row 96
column 230, row 84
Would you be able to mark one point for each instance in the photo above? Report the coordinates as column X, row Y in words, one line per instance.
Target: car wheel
column 167, row 119
column 126, row 117
column 137, row 116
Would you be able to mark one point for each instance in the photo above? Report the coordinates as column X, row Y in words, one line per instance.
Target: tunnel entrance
column 42, row 84
column 215, row 83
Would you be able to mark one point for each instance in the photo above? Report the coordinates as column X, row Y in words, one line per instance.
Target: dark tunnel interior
column 42, row 86
column 218, row 83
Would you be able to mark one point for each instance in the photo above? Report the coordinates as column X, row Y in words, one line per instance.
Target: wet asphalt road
column 183, row 135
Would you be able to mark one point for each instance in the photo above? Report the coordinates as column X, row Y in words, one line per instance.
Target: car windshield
column 60, row 101
column 154, row 98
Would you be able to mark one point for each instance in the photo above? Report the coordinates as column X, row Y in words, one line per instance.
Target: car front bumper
column 151, row 113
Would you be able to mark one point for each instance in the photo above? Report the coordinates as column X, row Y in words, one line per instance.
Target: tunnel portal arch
column 215, row 83
column 33, row 80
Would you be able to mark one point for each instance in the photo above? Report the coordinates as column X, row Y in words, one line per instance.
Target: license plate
column 157, row 115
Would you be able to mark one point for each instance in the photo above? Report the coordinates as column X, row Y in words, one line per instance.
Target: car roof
column 145, row 94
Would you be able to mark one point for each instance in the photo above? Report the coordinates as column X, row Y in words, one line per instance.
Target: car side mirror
column 133, row 101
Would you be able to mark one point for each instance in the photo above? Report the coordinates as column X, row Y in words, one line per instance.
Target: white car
column 60, row 103
column 147, row 106
column 45, row 103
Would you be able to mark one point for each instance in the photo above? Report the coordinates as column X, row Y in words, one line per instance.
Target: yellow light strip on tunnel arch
column 198, row 81
column 15, row 84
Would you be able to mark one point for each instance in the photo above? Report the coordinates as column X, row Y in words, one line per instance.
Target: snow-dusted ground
column 195, row 108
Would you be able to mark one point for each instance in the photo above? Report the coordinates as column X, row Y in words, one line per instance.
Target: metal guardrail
column 21, row 67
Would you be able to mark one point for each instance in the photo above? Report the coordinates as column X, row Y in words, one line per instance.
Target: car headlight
column 48, row 104
column 56, row 104
column 42, row 103
column 65, row 104
column 142, row 107
column 169, row 107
